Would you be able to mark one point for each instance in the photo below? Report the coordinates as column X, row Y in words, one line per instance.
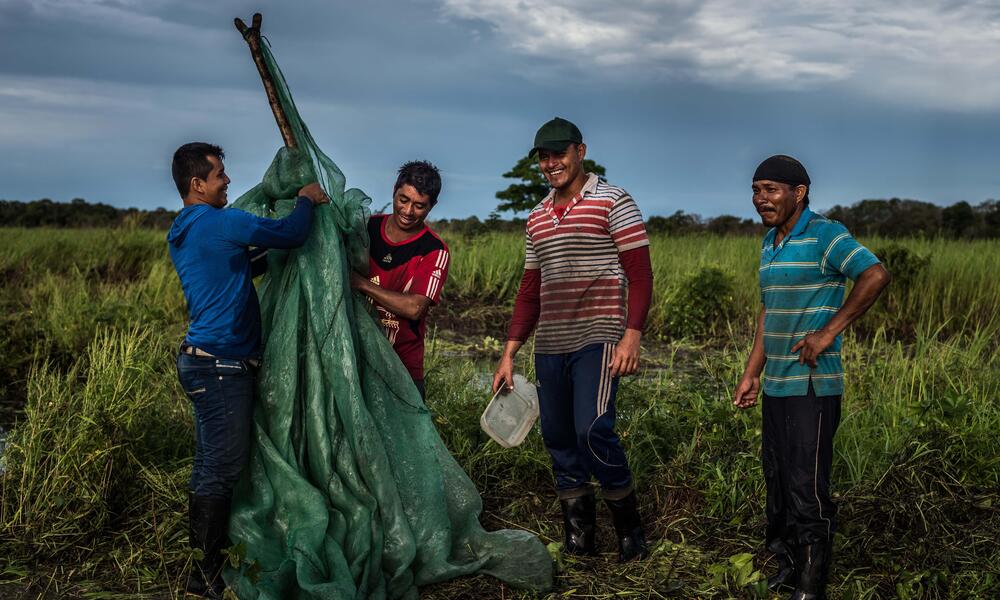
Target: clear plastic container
column 511, row 413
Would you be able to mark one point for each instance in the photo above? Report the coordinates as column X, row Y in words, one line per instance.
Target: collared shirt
column 418, row 265
column 802, row 285
column 582, row 298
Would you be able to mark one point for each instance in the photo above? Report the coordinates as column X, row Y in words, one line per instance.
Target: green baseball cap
column 556, row 135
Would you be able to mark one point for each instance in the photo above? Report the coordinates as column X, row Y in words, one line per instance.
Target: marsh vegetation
column 99, row 432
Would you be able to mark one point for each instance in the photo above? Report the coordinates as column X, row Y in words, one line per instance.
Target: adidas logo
column 437, row 273
column 387, row 258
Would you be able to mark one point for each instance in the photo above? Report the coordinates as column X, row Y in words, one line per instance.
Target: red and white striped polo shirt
column 583, row 283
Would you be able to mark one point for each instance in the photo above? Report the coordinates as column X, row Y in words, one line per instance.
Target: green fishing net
column 350, row 492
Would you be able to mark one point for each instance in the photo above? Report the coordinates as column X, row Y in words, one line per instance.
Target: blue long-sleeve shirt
column 210, row 248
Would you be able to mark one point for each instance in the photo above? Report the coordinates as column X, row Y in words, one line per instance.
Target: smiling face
column 777, row 202
column 409, row 208
column 563, row 169
column 212, row 189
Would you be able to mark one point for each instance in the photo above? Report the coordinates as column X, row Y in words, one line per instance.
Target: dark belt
column 196, row 351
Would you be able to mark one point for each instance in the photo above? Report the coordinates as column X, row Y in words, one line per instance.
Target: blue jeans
column 576, row 397
column 222, row 392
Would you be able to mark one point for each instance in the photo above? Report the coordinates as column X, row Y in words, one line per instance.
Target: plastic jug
column 511, row 413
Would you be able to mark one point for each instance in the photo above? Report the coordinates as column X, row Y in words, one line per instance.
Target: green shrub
column 702, row 304
column 894, row 309
column 906, row 266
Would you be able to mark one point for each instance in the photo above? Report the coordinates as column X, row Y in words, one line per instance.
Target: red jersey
column 418, row 265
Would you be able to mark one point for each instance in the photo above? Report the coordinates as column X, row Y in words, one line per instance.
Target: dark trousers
column 576, row 396
column 221, row 392
column 797, row 454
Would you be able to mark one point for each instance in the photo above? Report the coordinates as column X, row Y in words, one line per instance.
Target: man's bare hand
column 504, row 374
column 811, row 346
column 315, row 193
column 358, row 281
column 625, row 360
column 746, row 392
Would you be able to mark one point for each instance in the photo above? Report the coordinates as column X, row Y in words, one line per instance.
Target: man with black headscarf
column 805, row 261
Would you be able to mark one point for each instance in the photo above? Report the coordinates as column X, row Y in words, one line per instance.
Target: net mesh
column 350, row 492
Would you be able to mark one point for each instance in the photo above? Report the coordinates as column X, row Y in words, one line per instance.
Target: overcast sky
column 680, row 100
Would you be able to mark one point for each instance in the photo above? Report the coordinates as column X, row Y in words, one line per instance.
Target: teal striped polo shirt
column 802, row 283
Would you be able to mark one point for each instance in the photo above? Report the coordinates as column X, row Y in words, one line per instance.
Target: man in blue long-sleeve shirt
column 217, row 362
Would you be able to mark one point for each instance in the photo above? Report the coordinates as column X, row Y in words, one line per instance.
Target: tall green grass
column 958, row 289
column 916, row 471
column 102, row 253
column 61, row 286
column 97, row 468
column 91, row 497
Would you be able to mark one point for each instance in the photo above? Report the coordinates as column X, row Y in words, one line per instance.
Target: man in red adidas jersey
column 408, row 264
column 585, row 246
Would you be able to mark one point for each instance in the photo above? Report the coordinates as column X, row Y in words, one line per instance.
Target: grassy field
column 92, row 489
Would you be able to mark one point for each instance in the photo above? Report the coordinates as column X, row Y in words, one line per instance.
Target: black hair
column 191, row 160
column 423, row 176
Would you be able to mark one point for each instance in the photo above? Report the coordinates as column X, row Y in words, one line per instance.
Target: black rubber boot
column 208, row 518
column 786, row 575
column 814, row 565
column 579, row 522
column 628, row 528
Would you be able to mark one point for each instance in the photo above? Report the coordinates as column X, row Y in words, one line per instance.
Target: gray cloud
column 95, row 94
column 928, row 52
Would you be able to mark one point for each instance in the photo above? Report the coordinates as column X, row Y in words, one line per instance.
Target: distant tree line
column 676, row 224
column 896, row 217
column 473, row 226
column 888, row 218
column 681, row 222
column 80, row 213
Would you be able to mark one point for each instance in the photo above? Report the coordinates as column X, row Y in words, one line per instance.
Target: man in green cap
column 585, row 244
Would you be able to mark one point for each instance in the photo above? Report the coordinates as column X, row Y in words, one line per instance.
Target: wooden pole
column 252, row 37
